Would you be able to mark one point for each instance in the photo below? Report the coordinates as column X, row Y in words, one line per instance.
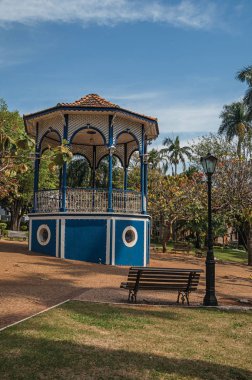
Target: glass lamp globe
column 209, row 164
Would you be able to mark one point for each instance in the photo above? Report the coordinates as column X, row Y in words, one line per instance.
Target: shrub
column 3, row 227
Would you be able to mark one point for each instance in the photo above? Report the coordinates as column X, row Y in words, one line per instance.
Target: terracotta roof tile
column 91, row 100
column 94, row 100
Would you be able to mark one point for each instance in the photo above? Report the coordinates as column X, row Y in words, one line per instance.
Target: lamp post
column 209, row 163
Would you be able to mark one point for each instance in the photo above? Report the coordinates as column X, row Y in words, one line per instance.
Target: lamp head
column 209, row 164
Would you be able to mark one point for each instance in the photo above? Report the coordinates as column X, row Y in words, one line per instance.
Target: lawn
column 230, row 254
column 96, row 341
column 224, row 254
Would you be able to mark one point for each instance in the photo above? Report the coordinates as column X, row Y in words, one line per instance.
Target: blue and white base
column 100, row 238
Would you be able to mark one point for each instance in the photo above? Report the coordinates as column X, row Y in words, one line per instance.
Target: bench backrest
column 163, row 278
column 17, row 234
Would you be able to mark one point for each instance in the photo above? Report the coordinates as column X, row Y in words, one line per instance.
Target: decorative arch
column 87, row 127
column 43, row 151
column 129, row 133
column 79, row 178
column 45, row 136
column 82, row 155
column 106, row 155
column 130, row 155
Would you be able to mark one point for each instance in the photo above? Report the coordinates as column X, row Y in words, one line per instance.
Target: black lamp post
column 209, row 164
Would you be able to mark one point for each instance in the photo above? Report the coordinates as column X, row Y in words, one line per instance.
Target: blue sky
column 175, row 60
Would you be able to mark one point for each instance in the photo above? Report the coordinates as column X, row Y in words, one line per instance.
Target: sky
column 172, row 59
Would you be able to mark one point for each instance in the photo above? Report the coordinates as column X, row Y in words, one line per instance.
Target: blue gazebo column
column 145, row 174
column 93, row 175
column 36, row 179
column 125, row 182
column 125, row 185
column 143, row 197
column 94, row 167
column 64, row 171
column 110, row 178
column 36, row 171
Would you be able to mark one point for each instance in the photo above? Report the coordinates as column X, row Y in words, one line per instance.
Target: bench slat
column 170, row 281
column 163, row 275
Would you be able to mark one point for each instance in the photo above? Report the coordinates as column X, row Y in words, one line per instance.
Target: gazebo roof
column 96, row 101
column 91, row 103
column 90, row 100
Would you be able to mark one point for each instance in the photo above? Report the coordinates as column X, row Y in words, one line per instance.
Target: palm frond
column 245, row 75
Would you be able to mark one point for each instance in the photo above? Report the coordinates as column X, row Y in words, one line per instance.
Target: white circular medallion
column 43, row 234
column 130, row 236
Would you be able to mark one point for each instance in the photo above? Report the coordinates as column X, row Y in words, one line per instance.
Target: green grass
column 224, row 254
column 230, row 254
column 94, row 341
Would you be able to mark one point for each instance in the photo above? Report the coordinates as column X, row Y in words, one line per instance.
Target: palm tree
column 154, row 158
column 245, row 75
column 175, row 153
column 235, row 123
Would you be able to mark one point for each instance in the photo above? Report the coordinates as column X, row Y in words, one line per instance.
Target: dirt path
column 31, row 282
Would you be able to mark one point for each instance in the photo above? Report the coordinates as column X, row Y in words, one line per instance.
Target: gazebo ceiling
column 91, row 104
column 88, row 137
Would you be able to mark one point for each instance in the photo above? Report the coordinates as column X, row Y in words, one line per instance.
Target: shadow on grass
column 124, row 311
column 30, row 357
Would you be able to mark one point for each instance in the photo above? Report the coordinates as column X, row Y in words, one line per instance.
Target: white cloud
column 189, row 118
column 175, row 117
column 187, row 13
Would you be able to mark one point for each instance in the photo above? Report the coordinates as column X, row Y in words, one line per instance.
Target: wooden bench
column 17, row 235
column 181, row 246
column 183, row 281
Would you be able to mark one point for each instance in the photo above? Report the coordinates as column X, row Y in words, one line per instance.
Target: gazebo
column 101, row 225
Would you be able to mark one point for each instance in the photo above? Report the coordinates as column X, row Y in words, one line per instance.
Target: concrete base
column 99, row 238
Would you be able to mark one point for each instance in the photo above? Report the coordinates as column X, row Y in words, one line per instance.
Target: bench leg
column 187, row 298
column 179, row 293
column 132, row 296
column 184, row 296
column 129, row 297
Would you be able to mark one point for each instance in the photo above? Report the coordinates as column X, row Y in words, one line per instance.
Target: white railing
column 88, row 200
column 126, row 201
column 47, row 201
column 100, row 201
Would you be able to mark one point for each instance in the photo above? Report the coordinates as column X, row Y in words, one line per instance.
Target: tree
column 216, row 144
column 235, row 123
column 232, row 185
column 155, row 159
column 79, row 172
column 16, row 165
column 102, row 173
column 245, row 75
column 177, row 201
column 175, row 153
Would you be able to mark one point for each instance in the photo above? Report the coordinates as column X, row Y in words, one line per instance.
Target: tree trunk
column 197, row 242
column 15, row 222
column 249, row 243
column 162, row 230
column 174, row 231
column 164, row 245
column 16, row 212
column 239, row 147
